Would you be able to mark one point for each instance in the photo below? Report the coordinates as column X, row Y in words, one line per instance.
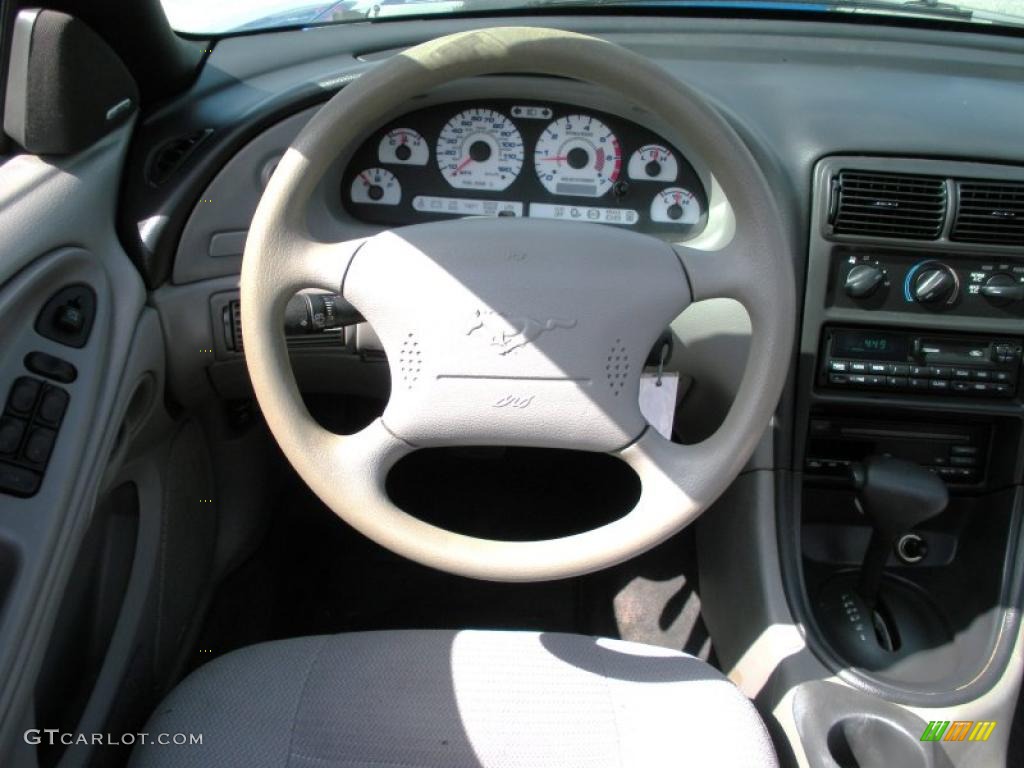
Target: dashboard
column 521, row 157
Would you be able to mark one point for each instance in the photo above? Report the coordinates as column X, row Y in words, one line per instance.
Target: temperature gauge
column 675, row 205
column 376, row 186
column 653, row 163
column 403, row 146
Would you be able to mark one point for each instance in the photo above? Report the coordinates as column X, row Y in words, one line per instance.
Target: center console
column 910, row 376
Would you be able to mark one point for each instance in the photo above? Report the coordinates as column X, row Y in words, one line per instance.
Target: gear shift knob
column 895, row 495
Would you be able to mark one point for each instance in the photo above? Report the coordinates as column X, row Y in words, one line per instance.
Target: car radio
column 907, row 361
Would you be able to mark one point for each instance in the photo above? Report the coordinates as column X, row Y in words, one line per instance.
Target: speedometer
column 578, row 155
column 480, row 149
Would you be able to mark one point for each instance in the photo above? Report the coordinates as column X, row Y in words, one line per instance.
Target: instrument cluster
column 523, row 158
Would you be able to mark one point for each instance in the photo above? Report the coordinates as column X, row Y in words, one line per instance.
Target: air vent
column 233, row 326
column 172, row 155
column 989, row 212
column 888, row 205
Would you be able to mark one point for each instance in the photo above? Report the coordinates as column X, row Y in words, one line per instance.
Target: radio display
column 869, row 346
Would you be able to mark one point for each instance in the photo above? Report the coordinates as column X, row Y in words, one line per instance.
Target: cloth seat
column 456, row 699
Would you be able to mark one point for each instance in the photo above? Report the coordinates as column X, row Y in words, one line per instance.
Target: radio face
column 863, row 358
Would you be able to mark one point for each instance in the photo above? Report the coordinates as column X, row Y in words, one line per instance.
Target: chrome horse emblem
column 510, row 333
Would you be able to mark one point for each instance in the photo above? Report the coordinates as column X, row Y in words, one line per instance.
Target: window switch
column 54, row 403
column 11, row 432
column 39, row 445
column 23, row 395
column 18, row 481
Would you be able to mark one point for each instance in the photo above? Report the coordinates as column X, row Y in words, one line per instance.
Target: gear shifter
column 895, row 495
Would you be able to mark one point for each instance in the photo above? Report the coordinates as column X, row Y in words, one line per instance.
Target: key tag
column 658, row 390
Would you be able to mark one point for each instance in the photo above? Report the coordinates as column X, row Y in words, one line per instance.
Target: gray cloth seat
column 426, row 698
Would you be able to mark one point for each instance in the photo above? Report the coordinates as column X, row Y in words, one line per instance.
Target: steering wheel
column 516, row 331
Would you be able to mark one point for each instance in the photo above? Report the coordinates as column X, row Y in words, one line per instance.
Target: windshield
column 202, row 17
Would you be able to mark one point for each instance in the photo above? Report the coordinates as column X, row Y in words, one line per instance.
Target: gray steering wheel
column 516, row 331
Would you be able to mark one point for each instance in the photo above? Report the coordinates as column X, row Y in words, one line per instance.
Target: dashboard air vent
column 989, row 212
column 172, row 155
column 888, row 205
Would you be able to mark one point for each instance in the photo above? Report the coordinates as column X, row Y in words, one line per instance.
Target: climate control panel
column 902, row 281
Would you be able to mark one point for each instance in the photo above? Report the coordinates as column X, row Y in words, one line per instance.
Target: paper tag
column 658, row 402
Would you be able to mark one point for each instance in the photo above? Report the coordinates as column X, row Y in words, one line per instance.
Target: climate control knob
column 863, row 280
column 934, row 283
column 1002, row 289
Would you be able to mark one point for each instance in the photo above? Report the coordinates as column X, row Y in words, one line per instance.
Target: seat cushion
column 438, row 698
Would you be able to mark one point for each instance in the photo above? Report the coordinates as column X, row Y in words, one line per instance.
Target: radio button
column 896, row 381
column 961, row 386
column 917, row 383
column 838, row 378
column 961, row 373
column 920, row 370
column 875, row 381
column 855, row 378
column 1003, row 376
column 939, row 384
column 1001, row 389
column 859, row 367
column 838, row 366
column 901, row 369
column 942, row 371
column 981, row 374
column 879, row 368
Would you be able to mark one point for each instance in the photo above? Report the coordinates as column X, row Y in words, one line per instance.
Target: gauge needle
column 463, row 164
column 556, row 158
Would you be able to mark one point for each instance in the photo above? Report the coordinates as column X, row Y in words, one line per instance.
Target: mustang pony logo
column 511, row 333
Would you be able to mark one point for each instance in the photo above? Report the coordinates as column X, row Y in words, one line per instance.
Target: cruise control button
column 18, row 480
column 39, row 445
column 23, row 395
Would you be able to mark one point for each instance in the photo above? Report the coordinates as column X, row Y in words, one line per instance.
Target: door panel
column 57, row 219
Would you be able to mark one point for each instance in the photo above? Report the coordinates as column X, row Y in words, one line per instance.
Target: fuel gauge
column 376, row 186
column 675, row 205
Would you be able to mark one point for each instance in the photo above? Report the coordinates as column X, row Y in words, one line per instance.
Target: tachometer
column 376, row 186
column 577, row 155
column 675, row 205
column 403, row 146
column 480, row 149
column 653, row 163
